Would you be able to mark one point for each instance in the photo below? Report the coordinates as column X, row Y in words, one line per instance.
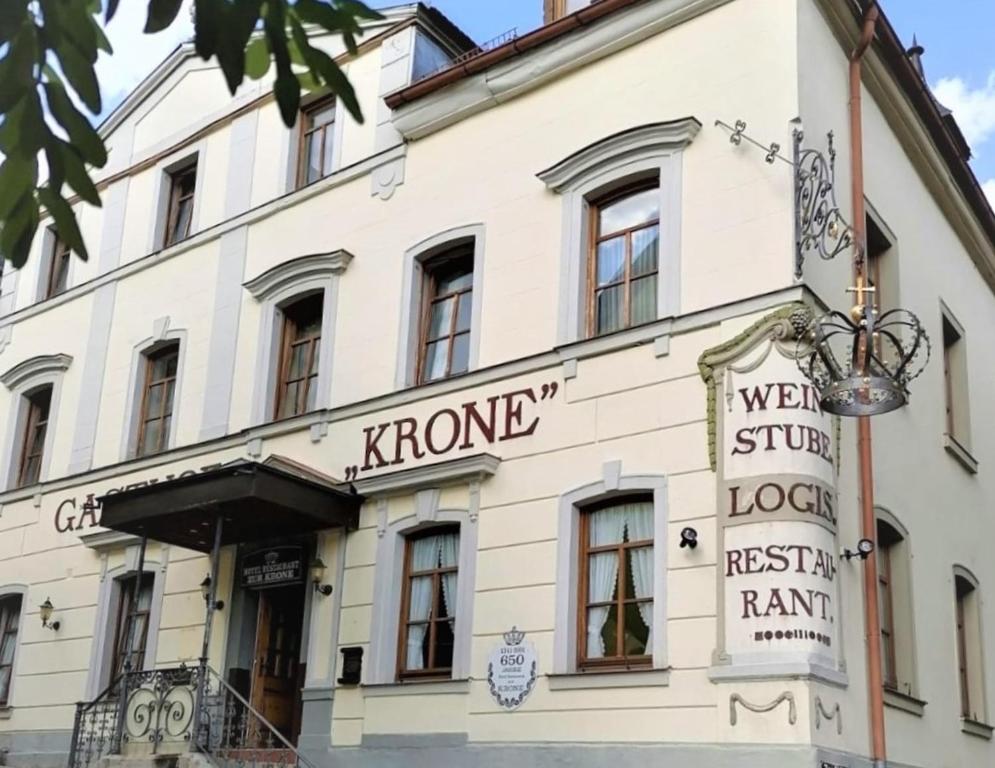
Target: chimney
column 557, row 9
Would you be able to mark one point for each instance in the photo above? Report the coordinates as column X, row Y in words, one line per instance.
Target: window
column 131, row 626
column 970, row 673
column 10, row 615
column 447, row 315
column 57, row 278
column 33, row 440
column 881, row 267
column 317, row 137
column 894, row 605
column 428, row 607
column 156, row 414
column 616, row 586
column 955, row 382
column 179, row 214
column 299, row 357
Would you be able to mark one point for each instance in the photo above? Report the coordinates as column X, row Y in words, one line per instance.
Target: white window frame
column 105, row 624
column 6, row 591
column 571, row 506
column 409, row 333
column 638, row 153
column 22, row 380
column 904, row 590
column 978, row 694
column 292, row 144
column 136, row 385
column 48, row 239
column 389, row 585
column 163, row 192
column 279, row 287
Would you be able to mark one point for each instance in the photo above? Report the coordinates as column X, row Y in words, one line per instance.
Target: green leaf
column 23, row 129
column 335, row 79
column 81, row 132
column 359, row 10
column 65, row 220
column 308, row 82
column 257, row 59
column 13, row 14
column 77, row 176
column 288, row 96
column 18, row 177
column 111, row 10
column 81, row 76
column 19, row 232
column 207, row 20
column 161, row 14
column 16, row 75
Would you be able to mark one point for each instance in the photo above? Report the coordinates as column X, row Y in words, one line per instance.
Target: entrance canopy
column 255, row 502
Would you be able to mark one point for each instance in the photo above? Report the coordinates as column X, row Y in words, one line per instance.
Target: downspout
column 872, row 616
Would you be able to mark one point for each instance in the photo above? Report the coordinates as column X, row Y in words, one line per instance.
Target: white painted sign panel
column 512, row 670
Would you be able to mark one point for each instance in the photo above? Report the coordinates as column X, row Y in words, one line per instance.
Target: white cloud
column 989, row 189
column 973, row 108
column 135, row 53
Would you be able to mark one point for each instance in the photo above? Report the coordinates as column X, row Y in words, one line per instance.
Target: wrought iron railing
column 169, row 711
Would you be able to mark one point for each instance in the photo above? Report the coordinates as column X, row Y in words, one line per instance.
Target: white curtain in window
column 606, row 527
column 449, row 558
column 639, row 521
column 424, row 557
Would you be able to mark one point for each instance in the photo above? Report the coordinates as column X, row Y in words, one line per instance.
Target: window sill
column 630, row 678
column 905, row 702
column 418, row 687
column 959, row 452
column 976, row 728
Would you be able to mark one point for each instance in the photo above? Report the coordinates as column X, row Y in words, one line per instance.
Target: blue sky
column 958, row 35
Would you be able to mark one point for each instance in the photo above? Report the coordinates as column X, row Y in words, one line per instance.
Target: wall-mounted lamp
column 318, row 576
column 689, row 538
column 205, row 590
column 864, row 549
column 45, row 609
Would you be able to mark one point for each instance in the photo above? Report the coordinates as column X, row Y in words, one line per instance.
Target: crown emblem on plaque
column 271, row 557
column 514, row 636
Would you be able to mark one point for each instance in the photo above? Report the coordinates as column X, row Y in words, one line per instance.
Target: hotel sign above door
column 274, row 567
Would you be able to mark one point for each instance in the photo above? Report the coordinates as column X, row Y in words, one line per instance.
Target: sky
column 958, row 35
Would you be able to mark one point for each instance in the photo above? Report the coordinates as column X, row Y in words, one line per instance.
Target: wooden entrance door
column 275, row 667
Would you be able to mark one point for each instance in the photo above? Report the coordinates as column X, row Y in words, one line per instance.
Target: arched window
column 970, row 656
column 624, row 258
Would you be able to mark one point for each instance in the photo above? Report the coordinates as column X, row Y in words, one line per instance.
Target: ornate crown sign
column 512, row 670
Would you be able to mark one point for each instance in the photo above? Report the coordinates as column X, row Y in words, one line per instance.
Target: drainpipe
column 872, row 617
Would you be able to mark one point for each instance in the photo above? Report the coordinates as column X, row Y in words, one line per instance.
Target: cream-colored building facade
column 383, row 349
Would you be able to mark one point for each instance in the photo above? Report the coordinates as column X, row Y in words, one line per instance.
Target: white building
column 448, row 386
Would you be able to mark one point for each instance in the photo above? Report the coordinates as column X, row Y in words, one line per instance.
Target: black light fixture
column 863, row 551
column 318, row 576
column 205, row 590
column 45, row 610
column 689, row 538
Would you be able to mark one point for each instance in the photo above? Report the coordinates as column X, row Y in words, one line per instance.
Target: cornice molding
column 315, row 265
column 34, row 367
column 476, row 467
column 639, row 142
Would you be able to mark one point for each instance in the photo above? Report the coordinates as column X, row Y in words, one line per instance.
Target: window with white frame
column 610, row 590
column 36, row 385
column 297, row 330
column 895, row 606
column 970, row 654
column 621, row 230
column 441, row 304
column 955, row 387
column 11, row 606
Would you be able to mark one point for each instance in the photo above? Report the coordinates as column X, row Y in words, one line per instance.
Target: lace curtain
column 429, row 553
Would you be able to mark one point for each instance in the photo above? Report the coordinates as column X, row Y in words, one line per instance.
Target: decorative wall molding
column 833, row 713
column 39, row 366
column 301, row 269
column 641, row 141
column 386, row 178
column 469, row 468
column 787, row 696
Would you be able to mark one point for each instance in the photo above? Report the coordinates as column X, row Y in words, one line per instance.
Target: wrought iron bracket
column 819, row 225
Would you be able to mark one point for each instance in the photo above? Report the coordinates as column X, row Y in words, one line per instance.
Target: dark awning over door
column 256, row 501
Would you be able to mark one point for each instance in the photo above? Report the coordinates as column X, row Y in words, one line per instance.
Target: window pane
column 611, row 261
column 643, row 300
column 464, row 312
column 150, row 437
column 315, row 357
column 60, row 272
column 153, row 401
column 644, row 250
column 312, row 151
column 440, row 318
column 629, row 212
column 4, row 683
column 298, row 361
column 288, row 405
column 420, row 601
column 602, row 642
column 602, row 577
column 170, row 385
column 32, row 470
column 323, row 115
column 459, row 279
column 171, row 360
column 36, row 441
column 326, row 167
column 436, row 356
column 312, row 393
column 444, row 644
column 608, row 309
column 184, row 209
column 637, row 631
column 164, row 431
column 461, row 354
